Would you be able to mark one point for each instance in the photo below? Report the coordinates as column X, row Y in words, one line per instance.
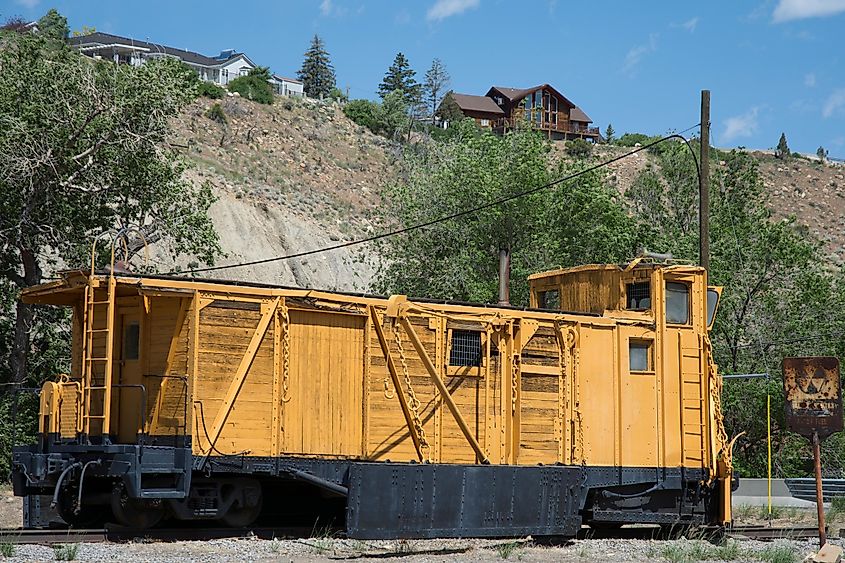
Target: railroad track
column 117, row 534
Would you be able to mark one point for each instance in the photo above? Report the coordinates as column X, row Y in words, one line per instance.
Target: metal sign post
column 813, row 399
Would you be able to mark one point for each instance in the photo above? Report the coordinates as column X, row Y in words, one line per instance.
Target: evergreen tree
column 822, row 153
column 782, row 151
column 317, row 72
column 436, row 81
column 400, row 76
column 53, row 25
column 449, row 110
column 609, row 134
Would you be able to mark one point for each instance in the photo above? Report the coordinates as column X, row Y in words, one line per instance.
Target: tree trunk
column 25, row 315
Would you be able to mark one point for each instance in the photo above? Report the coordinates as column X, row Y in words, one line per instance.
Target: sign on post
column 813, row 409
column 812, row 393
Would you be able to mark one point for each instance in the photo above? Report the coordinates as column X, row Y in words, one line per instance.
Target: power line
column 452, row 216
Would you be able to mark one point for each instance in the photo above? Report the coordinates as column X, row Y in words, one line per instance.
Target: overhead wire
column 457, row 214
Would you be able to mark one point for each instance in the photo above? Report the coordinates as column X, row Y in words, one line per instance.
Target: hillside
column 299, row 175
column 294, row 176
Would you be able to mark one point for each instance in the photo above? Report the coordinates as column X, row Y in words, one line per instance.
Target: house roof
column 468, row 102
column 106, row 39
column 281, row 78
column 516, row 94
column 577, row 114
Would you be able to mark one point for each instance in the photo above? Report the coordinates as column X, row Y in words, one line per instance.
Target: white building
column 287, row 86
column 220, row 70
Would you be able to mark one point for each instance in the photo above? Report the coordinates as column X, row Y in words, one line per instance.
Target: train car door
column 130, row 407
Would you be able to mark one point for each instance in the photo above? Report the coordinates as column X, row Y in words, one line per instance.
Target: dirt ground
column 10, row 508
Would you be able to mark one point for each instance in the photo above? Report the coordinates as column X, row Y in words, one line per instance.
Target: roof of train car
column 61, row 286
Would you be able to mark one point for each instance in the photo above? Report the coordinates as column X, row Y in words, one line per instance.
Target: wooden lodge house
column 543, row 107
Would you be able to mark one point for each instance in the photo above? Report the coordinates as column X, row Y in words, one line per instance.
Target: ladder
column 97, row 362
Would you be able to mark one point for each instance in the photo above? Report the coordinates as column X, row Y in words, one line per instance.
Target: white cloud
column 690, row 24
column 443, row 9
column 788, row 10
column 636, row 54
column 28, row 3
column 744, row 125
column 326, row 7
column 835, row 104
column 810, row 79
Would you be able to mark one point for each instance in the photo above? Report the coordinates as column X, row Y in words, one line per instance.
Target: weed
column 216, row 113
column 837, row 508
column 728, row 551
column 505, row 550
column 7, row 548
column 673, row 552
column 275, row 546
column 744, row 511
column 66, row 552
column 778, row 554
column 584, row 551
column 777, row 512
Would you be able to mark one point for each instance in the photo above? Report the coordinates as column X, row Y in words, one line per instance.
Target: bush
column 254, row 86
column 579, row 148
column 216, row 113
column 362, row 112
column 631, row 139
column 66, row 552
column 210, row 90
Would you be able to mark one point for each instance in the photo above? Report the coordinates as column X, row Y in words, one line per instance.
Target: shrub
column 579, row 148
column 66, row 552
column 631, row 139
column 210, row 90
column 362, row 112
column 216, row 113
column 7, row 548
column 254, row 86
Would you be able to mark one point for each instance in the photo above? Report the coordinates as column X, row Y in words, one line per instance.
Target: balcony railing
column 561, row 126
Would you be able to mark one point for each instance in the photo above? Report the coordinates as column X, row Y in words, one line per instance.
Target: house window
column 640, row 357
column 677, row 303
column 243, row 72
column 225, row 74
column 549, row 299
column 485, row 122
column 466, row 348
column 638, row 296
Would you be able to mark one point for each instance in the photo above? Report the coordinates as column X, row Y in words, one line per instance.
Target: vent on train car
column 466, row 348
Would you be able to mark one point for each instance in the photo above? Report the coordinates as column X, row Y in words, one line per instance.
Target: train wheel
column 247, row 506
column 135, row 513
column 84, row 516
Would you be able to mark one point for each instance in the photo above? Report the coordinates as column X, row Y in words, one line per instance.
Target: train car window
column 549, row 299
column 131, row 341
column 466, row 348
column 640, row 356
column 638, row 296
column 712, row 302
column 677, row 303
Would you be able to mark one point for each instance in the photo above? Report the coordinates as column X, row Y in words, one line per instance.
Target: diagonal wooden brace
column 267, row 313
column 391, row 367
column 441, row 387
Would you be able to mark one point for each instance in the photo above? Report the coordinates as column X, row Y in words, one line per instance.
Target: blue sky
column 772, row 65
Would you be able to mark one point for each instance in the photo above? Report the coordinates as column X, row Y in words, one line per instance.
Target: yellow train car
column 199, row 399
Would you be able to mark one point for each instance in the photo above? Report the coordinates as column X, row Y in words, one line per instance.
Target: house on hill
column 220, row 69
column 542, row 107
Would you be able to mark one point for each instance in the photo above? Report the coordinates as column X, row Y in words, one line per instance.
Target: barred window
column 549, row 299
column 466, row 348
column 638, row 296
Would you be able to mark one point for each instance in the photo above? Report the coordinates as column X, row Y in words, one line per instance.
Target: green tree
column 254, row 86
column 53, row 26
column 434, row 85
column 83, row 150
column 400, row 76
column 822, row 154
column 449, row 110
column 609, row 134
column 317, row 72
column 363, row 112
column 392, row 115
column 782, row 151
column 579, row 148
column 572, row 223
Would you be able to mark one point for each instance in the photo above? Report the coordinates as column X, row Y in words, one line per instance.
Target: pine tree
column 317, row 72
column 436, row 81
column 782, row 151
column 609, row 134
column 400, row 76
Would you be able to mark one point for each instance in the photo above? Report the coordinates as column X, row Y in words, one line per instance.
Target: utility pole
column 704, row 184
